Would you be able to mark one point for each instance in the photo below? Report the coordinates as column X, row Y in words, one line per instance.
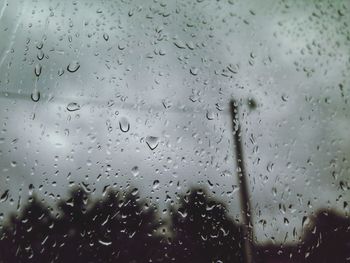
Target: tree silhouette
column 110, row 230
column 203, row 232
column 29, row 237
column 122, row 228
column 328, row 238
column 73, row 228
column 118, row 228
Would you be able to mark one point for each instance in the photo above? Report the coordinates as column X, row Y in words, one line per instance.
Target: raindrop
column 4, row 196
column 210, row 115
column 269, row 167
column 60, row 71
column 180, row 44
column 226, row 173
column 263, row 223
column 194, row 71
column 40, row 55
column 152, row 142
column 73, row 106
column 305, row 221
column 105, row 36
column 135, row 191
column 40, row 45
column 233, row 68
column 167, row 103
column 155, row 184
column 110, row 103
column 73, row 66
column 190, row 45
column 162, row 52
column 182, row 214
column 31, row 188
column 35, row 96
column 284, row 98
column 135, row 171
column 121, row 46
column 37, row 70
column 274, row 191
column 252, row 104
column 105, row 243
column 124, row 125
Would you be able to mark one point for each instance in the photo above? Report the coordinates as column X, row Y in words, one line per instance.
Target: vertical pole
column 243, row 185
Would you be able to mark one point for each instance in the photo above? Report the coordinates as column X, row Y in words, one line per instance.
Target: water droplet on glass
column 252, row 104
column 152, row 142
column 210, row 115
column 31, row 188
column 284, row 97
column 105, row 36
column 35, row 96
column 73, row 66
column 135, row 191
column 121, row 46
column 226, row 173
column 180, row 44
column 194, row 71
column 40, row 55
column 182, row 213
column 155, row 184
column 135, row 171
column 124, row 125
column 305, row 221
column 274, row 191
column 60, row 71
column 37, row 70
column 269, row 167
column 73, row 106
column 4, row 196
column 40, row 45
column 105, row 243
column 167, row 103
column 233, row 68
column 110, row 103
column 190, row 45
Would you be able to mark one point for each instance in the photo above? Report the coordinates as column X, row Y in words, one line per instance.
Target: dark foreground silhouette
column 121, row 228
column 125, row 229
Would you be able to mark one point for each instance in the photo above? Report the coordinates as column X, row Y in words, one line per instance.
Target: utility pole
column 243, row 185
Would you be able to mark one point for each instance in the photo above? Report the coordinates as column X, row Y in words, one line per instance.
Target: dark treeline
column 123, row 228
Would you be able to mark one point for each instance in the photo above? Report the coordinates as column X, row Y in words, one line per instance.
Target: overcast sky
column 114, row 74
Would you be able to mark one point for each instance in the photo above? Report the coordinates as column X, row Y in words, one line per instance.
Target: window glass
column 174, row 131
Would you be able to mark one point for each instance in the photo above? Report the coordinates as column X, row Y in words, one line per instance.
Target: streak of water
column 13, row 35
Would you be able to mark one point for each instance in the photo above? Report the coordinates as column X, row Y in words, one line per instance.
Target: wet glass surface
column 188, row 131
